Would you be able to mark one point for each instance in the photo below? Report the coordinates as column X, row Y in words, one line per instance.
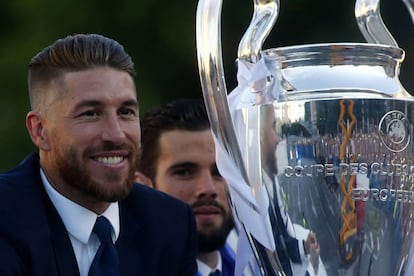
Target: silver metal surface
column 264, row 17
column 345, row 171
column 410, row 7
column 211, row 71
column 334, row 69
column 333, row 149
column 368, row 17
column 210, row 64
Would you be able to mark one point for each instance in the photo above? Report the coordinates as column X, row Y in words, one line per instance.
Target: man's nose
column 206, row 186
column 113, row 130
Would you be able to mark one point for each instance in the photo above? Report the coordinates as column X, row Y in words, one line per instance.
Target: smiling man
column 73, row 207
column 178, row 157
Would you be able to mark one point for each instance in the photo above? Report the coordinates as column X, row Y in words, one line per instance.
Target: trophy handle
column 211, row 71
column 367, row 14
column 410, row 6
column 210, row 65
column 264, row 17
column 368, row 17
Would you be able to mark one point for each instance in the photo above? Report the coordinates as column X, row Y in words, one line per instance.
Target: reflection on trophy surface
column 346, row 186
column 316, row 143
column 289, row 237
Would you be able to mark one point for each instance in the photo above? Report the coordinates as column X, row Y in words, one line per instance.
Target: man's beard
column 75, row 175
column 215, row 240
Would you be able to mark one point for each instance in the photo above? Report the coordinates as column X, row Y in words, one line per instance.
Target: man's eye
column 128, row 112
column 182, row 173
column 89, row 113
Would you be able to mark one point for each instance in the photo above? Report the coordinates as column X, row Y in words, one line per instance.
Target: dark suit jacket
column 157, row 232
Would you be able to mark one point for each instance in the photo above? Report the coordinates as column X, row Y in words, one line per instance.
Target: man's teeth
column 110, row 160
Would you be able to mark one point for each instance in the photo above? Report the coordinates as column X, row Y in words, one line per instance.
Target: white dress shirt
column 79, row 223
column 205, row 270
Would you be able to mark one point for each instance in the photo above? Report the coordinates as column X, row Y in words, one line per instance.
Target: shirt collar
column 205, row 270
column 78, row 220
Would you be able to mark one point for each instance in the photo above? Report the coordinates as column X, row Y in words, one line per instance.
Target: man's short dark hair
column 70, row 54
column 181, row 114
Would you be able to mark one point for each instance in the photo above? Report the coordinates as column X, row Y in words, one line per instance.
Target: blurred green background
column 160, row 37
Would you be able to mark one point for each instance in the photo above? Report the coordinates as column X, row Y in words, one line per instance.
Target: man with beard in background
column 178, row 157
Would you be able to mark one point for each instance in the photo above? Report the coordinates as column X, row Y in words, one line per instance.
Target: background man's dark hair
column 182, row 114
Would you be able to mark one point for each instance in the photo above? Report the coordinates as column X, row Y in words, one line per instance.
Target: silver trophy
column 316, row 145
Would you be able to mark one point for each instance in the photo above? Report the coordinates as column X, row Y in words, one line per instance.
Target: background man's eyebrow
column 183, row 165
column 131, row 102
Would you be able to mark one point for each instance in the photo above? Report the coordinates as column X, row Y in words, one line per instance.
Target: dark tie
column 106, row 262
column 215, row 273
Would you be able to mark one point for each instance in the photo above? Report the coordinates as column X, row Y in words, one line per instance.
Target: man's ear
column 143, row 179
column 37, row 131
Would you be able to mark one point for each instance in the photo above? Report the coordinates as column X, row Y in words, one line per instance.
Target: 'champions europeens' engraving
column 384, row 195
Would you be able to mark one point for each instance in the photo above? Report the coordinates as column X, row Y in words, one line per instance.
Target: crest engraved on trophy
column 394, row 130
column 316, row 146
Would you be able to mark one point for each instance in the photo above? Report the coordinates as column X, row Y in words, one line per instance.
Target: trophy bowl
column 316, row 146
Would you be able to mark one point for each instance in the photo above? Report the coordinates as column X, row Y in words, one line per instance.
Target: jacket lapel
column 128, row 244
column 65, row 257
column 62, row 247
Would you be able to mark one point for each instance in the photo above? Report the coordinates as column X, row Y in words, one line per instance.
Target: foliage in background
column 160, row 36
